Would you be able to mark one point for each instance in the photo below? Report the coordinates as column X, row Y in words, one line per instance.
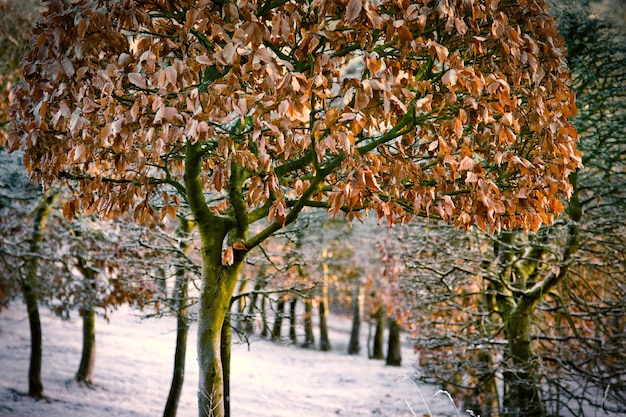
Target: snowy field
column 134, row 367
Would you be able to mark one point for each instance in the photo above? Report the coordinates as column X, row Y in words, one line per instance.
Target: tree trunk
column 522, row 390
column 353, row 346
column 218, row 279
column 217, row 290
column 181, row 296
column 264, row 325
column 292, row 321
column 259, row 284
column 29, row 289
column 394, row 351
column 324, row 340
column 85, row 373
column 278, row 320
column 86, row 368
column 379, row 335
column 35, row 386
column 309, row 336
column 522, row 398
column 182, row 330
column 241, row 305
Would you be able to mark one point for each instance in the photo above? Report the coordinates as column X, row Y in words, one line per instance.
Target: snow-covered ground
column 134, row 367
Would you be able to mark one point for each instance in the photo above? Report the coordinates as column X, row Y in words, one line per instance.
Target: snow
column 134, row 366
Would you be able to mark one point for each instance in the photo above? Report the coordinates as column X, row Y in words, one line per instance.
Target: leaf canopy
column 452, row 109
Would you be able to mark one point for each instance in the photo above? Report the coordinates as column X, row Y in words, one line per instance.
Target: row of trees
column 232, row 119
column 336, row 271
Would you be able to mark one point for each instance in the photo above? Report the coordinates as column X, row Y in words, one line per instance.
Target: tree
column 394, row 346
column 542, row 311
column 96, row 278
column 61, row 266
column 42, row 265
column 161, row 253
column 257, row 110
column 357, row 306
column 379, row 334
column 24, row 218
column 181, row 297
column 29, row 289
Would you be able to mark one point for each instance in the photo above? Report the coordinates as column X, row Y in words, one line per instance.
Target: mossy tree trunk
column 521, row 391
column 218, row 285
column 523, row 398
column 29, row 289
column 219, row 279
column 221, row 266
column 520, row 288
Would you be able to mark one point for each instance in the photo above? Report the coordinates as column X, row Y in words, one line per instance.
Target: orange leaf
column 228, row 257
column 467, row 164
column 370, row 181
column 239, row 246
column 450, row 78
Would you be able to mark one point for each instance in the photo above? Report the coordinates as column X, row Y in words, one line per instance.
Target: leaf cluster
column 456, row 110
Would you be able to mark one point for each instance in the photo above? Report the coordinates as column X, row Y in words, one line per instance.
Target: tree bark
column 178, row 377
column 522, row 390
column 354, row 346
column 379, row 335
column 29, row 289
column 394, row 351
column 217, row 289
column 86, row 368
